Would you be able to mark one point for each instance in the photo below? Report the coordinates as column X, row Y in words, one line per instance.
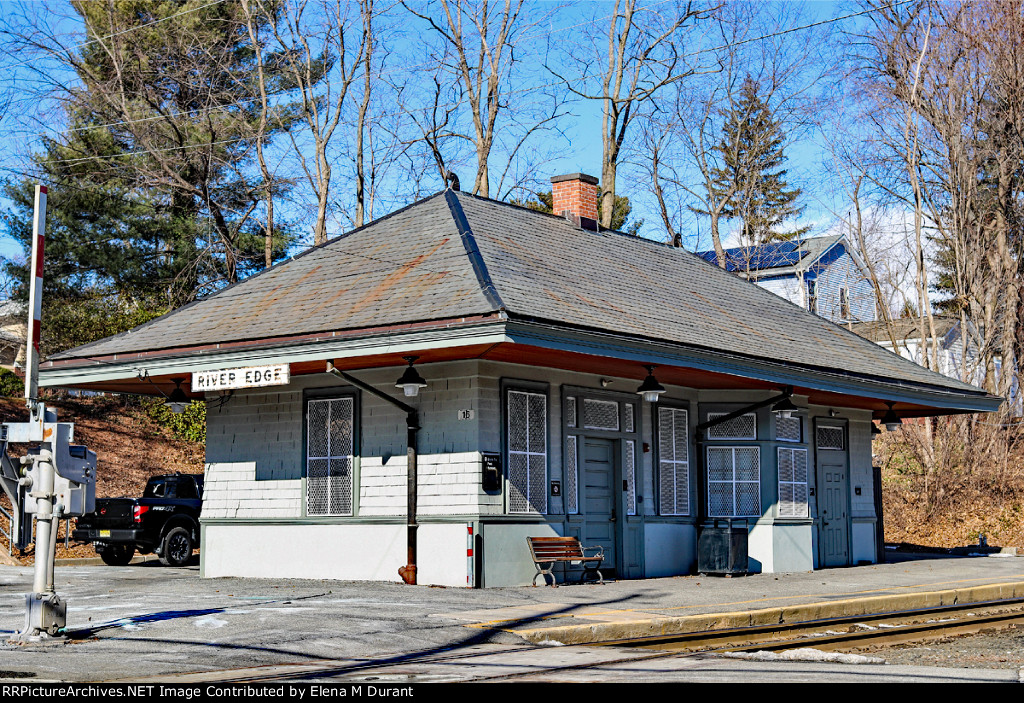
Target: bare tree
column 684, row 144
column 642, row 55
column 317, row 53
column 483, row 58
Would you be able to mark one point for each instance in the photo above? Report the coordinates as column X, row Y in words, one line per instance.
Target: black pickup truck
column 164, row 520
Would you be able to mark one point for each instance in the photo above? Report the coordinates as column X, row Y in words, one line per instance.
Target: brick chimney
column 575, row 194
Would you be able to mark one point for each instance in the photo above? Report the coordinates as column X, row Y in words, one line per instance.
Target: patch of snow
column 806, row 654
column 550, row 643
column 210, row 622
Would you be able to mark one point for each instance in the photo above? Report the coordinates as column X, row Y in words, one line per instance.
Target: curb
column 661, row 626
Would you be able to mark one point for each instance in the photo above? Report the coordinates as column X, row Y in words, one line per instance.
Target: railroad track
column 847, row 632
column 860, row 632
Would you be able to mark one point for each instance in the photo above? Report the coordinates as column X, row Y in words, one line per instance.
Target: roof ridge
column 483, row 276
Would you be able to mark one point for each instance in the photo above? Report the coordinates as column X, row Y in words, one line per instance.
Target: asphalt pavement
column 147, row 622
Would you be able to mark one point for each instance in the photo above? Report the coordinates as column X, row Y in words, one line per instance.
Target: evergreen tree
column 151, row 193
column 751, row 152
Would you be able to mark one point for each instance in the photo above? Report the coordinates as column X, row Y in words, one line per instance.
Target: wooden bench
column 553, row 550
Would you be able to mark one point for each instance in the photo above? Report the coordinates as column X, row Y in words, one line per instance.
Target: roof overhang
column 536, row 343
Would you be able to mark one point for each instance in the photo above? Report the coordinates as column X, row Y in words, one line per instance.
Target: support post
column 412, row 421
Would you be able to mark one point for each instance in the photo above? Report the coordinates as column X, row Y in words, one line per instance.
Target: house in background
column 958, row 355
column 824, row 275
column 563, row 381
column 13, row 332
column 948, row 341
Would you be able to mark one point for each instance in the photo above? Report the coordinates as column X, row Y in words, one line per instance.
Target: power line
column 506, row 93
column 125, row 31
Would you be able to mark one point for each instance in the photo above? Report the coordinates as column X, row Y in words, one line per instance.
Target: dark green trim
column 539, row 387
column 330, row 393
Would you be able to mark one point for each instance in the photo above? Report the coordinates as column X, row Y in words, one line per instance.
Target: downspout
column 412, row 421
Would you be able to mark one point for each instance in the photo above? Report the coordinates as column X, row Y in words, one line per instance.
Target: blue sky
column 576, row 147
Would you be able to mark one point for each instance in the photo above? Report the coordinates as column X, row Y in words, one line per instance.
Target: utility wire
column 123, row 31
column 506, row 93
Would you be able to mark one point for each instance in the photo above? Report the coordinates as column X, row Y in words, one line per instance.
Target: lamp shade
column 785, row 408
column 411, row 381
column 177, row 401
column 650, row 389
column 891, row 420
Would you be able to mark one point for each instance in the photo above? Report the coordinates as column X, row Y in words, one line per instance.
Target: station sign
column 245, row 377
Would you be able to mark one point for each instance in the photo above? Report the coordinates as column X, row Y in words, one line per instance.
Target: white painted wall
column 255, row 454
column 788, row 288
column 339, row 552
column 232, row 491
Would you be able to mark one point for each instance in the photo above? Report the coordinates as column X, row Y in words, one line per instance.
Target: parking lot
column 145, row 620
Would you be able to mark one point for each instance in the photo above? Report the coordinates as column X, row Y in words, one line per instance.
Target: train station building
column 552, row 378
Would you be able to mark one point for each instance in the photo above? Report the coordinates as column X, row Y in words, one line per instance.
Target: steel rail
column 894, row 626
column 905, row 625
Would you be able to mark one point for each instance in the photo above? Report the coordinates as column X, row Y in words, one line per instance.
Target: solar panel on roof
column 763, row 256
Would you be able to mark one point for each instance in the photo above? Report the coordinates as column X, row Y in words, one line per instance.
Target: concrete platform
column 146, row 621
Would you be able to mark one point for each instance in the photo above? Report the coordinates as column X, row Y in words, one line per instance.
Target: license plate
column 104, row 533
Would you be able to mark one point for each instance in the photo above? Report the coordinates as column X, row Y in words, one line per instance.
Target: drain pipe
column 412, row 421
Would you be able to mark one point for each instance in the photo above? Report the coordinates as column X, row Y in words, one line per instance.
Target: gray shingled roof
column 413, row 265
column 408, row 266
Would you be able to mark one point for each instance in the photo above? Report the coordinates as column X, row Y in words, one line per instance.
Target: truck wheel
column 177, row 547
column 117, row 555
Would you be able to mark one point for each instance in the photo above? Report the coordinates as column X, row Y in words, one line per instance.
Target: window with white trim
column 673, row 461
column 330, row 455
column 527, row 452
column 829, row 437
column 734, row 481
column 792, row 482
column 789, row 429
column 742, row 427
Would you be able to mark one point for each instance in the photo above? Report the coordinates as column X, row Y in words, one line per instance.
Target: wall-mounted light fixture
column 785, row 408
column 177, row 401
column 411, row 381
column 891, row 420
column 650, row 389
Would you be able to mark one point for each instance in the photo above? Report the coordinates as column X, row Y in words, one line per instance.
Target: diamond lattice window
column 742, row 427
column 330, row 442
column 829, row 437
column 789, row 429
column 527, row 452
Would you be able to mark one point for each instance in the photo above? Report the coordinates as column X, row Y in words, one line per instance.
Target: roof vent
column 574, row 196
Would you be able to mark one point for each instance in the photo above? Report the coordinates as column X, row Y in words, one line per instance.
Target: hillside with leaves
column 133, row 439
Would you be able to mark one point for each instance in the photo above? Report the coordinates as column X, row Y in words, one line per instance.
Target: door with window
column 833, row 473
column 602, row 437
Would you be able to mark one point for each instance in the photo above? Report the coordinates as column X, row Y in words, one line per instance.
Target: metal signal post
column 56, row 478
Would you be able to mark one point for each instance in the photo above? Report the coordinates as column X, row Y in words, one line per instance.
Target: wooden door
column 601, row 508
